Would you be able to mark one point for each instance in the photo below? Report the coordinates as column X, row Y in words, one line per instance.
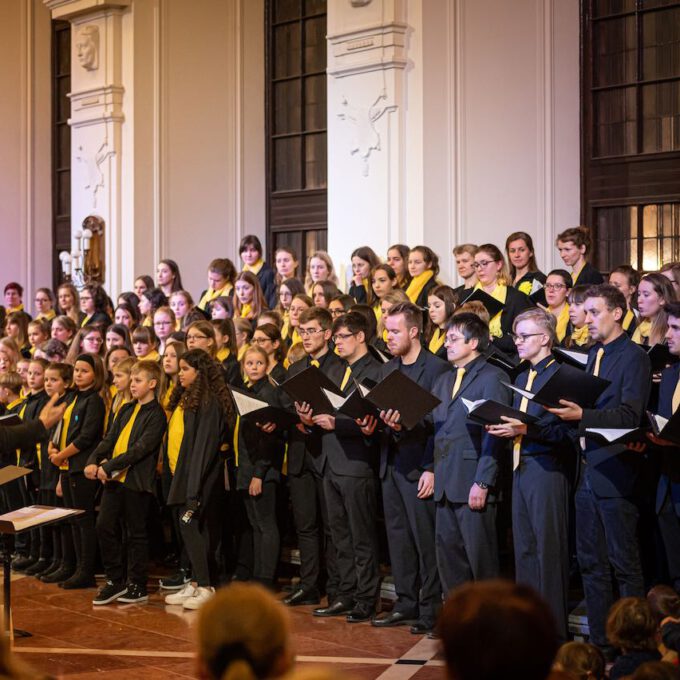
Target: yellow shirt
column 123, row 441
column 628, row 319
column 175, row 437
column 85, row 321
column 48, row 316
column 575, row 275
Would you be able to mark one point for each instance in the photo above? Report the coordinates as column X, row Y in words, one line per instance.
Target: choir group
column 152, row 386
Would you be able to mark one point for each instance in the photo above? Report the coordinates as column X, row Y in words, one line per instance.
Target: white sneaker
column 181, row 595
column 200, row 596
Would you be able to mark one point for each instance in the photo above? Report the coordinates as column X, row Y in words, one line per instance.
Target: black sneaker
column 134, row 593
column 176, row 581
column 109, row 592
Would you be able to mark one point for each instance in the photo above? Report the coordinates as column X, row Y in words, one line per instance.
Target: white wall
column 25, row 194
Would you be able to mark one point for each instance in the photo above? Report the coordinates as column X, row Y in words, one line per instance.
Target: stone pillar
column 97, row 98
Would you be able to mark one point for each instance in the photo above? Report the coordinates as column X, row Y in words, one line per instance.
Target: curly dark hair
column 209, row 381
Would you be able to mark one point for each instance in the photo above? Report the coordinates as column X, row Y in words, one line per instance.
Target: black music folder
column 492, row 305
column 568, row 383
column 308, row 386
column 10, row 419
column 355, row 405
column 660, row 356
column 258, row 410
column 666, row 428
column 512, row 366
column 490, row 412
column 573, row 357
column 619, row 435
column 398, row 392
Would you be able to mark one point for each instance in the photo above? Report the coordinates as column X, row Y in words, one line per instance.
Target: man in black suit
column 668, row 487
column 606, row 510
column 466, row 458
column 406, row 471
column 541, row 455
column 350, row 481
column 29, row 434
column 306, row 466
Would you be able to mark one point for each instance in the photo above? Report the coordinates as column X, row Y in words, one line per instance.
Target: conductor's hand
column 426, row 484
column 367, row 425
column 391, row 418
column 477, row 498
column 90, row 471
column 51, row 413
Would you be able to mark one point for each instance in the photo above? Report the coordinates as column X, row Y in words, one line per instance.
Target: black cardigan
column 145, row 442
column 86, row 427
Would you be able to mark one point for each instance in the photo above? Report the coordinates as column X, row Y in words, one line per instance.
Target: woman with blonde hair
column 243, row 634
column 319, row 268
column 68, row 300
column 655, row 291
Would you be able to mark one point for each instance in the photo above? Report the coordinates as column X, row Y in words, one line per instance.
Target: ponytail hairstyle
column 579, row 236
column 430, row 258
column 243, row 634
column 227, row 330
column 209, row 382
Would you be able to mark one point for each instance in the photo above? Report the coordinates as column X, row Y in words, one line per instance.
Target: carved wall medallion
column 363, row 119
column 87, row 47
column 93, row 165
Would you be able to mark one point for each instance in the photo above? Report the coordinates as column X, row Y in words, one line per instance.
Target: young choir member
column 44, row 305
column 168, row 278
column 441, row 304
column 654, row 292
column 423, row 267
column 251, row 254
column 557, row 286
column 524, row 272
column 397, row 258
column 286, row 262
column 319, row 268
column 627, row 280
column 573, row 245
column 221, row 277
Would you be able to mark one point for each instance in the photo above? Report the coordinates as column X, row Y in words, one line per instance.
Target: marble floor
column 70, row 638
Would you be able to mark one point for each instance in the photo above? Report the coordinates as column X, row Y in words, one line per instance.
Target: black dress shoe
column 59, row 576
column 338, row 608
column 23, row 562
column 302, row 596
column 361, row 612
column 393, row 619
column 79, row 580
column 38, row 567
column 422, row 628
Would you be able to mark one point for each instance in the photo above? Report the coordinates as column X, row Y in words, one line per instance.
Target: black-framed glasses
column 522, row 337
column 197, row 337
column 342, row 336
column 554, row 286
column 304, row 332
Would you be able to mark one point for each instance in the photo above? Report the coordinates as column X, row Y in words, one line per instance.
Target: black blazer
column 232, row 371
column 145, row 443
column 29, row 456
column 22, row 436
column 589, row 276
column 669, row 481
column 101, row 319
column 358, row 293
column 425, row 292
column 266, row 277
column 301, row 445
column 464, row 452
column 412, row 451
column 279, row 373
column 515, row 303
column 347, row 451
column 86, row 427
column 260, row 454
column 198, row 465
column 613, row 470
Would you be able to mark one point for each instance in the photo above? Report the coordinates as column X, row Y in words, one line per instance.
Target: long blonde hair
column 243, row 634
column 325, row 257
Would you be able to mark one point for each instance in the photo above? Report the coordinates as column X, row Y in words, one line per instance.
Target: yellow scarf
column 211, row 294
column 18, row 308
column 437, row 340
column 222, row 354
column 580, row 336
column 246, row 310
column 415, row 288
column 175, row 437
column 254, row 269
column 500, row 293
column 377, row 310
column 628, row 319
column 153, row 355
column 48, row 316
column 575, row 275
column 65, row 423
column 285, row 329
column 123, row 442
column 642, row 332
column 295, row 337
column 562, row 322
column 86, row 320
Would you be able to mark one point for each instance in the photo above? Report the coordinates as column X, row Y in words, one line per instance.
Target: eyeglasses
column 304, row 332
column 197, row 337
column 261, row 341
column 162, row 323
column 522, row 337
column 342, row 336
column 336, row 312
column 481, row 265
column 450, row 339
column 554, row 286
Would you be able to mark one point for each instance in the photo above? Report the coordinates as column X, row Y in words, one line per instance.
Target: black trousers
column 124, row 512
column 467, row 543
column 669, row 526
column 266, row 540
column 540, row 526
column 409, row 522
column 79, row 492
column 313, row 530
column 65, row 530
column 49, row 537
column 351, row 503
column 606, row 538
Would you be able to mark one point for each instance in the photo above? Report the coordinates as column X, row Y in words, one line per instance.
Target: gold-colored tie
column 460, row 372
column 676, row 397
column 598, row 361
column 523, row 406
column 314, row 362
column 345, row 378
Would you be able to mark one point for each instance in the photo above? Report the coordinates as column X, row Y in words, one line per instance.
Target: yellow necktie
column 314, row 362
column 523, row 405
column 598, row 360
column 460, row 372
column 676, row 397
column 345, row 378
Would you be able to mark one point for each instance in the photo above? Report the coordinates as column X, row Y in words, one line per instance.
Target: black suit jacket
column 613, row 470
column 267, row 280
column 144, row 445
column 464, row 453
column 301, row 445
column 589, row 276
column 86, row 427
column 412, row 451
column 669, row 482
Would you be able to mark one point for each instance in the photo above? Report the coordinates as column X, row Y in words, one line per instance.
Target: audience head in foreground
column 497, row 629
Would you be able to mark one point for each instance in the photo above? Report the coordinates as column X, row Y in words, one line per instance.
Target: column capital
column 70, row 9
